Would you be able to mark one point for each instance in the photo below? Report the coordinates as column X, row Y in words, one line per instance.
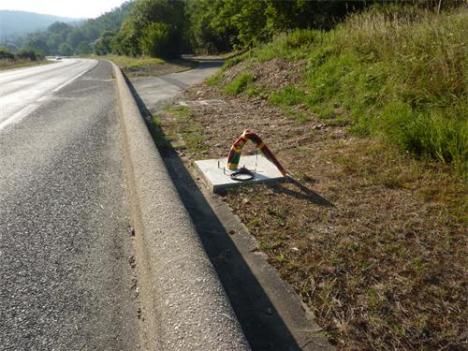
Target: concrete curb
column 188, row 308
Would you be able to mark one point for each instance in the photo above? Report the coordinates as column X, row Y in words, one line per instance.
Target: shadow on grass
column 304, row 194
column 260, row 321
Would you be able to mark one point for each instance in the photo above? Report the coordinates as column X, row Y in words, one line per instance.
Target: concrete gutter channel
column 185, row 305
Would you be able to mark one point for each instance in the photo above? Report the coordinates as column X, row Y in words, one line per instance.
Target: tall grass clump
column 401, row 73
column 239, row 84
column 294, row 45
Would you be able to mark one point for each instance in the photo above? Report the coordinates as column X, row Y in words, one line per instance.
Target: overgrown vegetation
column 400, row 74
column 129, row 64
column 167, row 28
column 94, row 35
column 239, row 84
column 385, row 267
column 19, row 59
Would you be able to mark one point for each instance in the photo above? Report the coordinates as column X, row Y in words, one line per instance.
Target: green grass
column 288, row 96
column 180, row 112
column 132, row 63
column 215, row 79
column 187, row 128
column 239, row 84
column 286, row 99
column 400, row 74
column 293, row 46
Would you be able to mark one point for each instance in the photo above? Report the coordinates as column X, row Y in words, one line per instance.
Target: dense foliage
column 66, row 39
column 154, row 28
column 7, row 55
column 166, row 28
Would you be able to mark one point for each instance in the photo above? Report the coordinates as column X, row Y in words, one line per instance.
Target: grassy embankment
column 146, row 66
column 373, row 117
column 403, row 78
column 129, row 63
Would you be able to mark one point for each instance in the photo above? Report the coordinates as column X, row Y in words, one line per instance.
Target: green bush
column 31, row 55
column 5, row 54
column 156, row 40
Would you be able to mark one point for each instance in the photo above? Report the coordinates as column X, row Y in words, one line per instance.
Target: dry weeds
column 386, row 266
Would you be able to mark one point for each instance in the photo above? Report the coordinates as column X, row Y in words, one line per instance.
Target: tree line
column 79, row 39
column 167, row 28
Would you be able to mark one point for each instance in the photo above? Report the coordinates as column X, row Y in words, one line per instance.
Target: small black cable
column 242, row 175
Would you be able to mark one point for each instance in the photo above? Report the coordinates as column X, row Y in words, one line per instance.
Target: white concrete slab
column 217, row 176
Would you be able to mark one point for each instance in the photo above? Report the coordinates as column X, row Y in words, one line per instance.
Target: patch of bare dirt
column 378, row 250
column 278, row 73
column 275, row 74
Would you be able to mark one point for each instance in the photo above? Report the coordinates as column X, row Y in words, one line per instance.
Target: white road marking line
column 74, row 78
column 18, row 116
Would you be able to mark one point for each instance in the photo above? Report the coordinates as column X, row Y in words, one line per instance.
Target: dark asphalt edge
column 186, row 305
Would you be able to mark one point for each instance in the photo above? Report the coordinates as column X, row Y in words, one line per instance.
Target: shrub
column 29, row 54
column 5, row 54
column 156, row 40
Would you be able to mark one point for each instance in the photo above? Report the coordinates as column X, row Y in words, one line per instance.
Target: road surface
column 65, row 278
column 156, row 91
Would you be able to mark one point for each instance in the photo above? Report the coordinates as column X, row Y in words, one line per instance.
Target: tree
column 156, row 40
column 65, row 49
column 210, row 27
column 104, row 44
column 84, row 48
column 5, row 54
column 53, row 42
column 127, row 41
column 28, row 55
column 79, row 37
column 154, row 27
column 37, row 42
column 75, row 37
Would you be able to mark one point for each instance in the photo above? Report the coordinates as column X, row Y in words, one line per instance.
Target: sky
column 64, row 8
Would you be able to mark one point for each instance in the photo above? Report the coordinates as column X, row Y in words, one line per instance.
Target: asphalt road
column 156, row 91
column 65, row 278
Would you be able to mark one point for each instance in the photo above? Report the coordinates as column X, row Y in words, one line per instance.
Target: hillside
column 370, row 117
column 397, row 75
column 16, row 23
column 67, row 39
column 167, row 29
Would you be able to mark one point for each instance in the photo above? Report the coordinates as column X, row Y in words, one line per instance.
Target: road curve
column 65, row 278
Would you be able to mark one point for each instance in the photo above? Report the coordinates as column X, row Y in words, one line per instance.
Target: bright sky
column 65, row 8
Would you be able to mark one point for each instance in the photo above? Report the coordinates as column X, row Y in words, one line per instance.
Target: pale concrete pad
column 217, row 176
column 196, row 103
